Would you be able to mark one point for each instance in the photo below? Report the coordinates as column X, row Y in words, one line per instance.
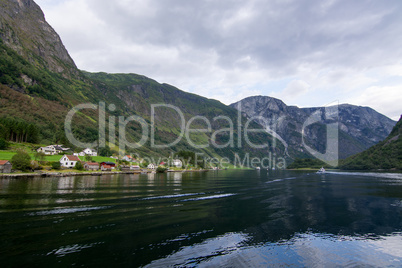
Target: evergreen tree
column 3, row 144
column 105, row 151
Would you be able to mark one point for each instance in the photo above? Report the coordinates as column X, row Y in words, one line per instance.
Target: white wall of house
column 65, row 162
column 151, row 166
column 177, row 163
column 48, row 150
column 128, row 159
column 89, row 151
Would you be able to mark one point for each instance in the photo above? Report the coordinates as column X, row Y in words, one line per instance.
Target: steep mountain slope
column 40, row 84
column 359, row 127
column 384, row 155
column 24, row 29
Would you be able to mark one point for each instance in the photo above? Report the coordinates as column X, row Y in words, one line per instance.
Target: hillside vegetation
column 385, row 155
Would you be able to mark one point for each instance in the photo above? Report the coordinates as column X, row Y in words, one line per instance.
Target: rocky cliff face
column 359, row 127
column 23, row 27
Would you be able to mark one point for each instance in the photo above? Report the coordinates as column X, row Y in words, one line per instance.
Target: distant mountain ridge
column 359, row 127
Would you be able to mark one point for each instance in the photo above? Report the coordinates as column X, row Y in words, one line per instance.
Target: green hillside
column 385, row 155
column 39, row 88
column 44, row 106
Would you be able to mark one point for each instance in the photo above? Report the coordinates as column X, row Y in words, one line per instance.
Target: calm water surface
column 213, row 219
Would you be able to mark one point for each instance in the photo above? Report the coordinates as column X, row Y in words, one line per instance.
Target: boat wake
column 277, row 180
column 209, row 197
column 368, row 174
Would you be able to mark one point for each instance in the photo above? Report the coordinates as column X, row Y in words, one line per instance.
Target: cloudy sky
column 307, row 53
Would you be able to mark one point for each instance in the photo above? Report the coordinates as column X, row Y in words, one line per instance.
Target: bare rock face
column 23, row 28
column 359, row 127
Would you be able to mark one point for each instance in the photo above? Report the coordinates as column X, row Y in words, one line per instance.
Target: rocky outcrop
column 359, row 127
column 23, row 27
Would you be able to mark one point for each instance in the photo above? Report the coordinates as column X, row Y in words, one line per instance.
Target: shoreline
column 94, row 173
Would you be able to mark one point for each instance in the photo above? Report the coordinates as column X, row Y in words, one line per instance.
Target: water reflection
column 177, row 178
column 307, row 249
column 225, row 218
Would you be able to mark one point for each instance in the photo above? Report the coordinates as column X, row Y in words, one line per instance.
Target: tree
column 21, row 161
column 56, row 165
column 79, row 166
column 3, row 144
column 161, row 169
column 105, row 151
column 187, row 156
column 88, row 158
column 40, row 156
column 144, row 164
column 32, row 134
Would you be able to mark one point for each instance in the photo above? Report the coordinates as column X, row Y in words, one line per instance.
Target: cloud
column 227, row 49
column 381, row 99
column 295, row 88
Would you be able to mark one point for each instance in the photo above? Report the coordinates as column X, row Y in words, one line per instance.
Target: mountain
column 24, row 29
column 40, row 85
column 359, row 127
column 385, row 155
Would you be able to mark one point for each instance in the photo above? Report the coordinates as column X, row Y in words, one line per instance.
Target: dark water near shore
column 213, row 219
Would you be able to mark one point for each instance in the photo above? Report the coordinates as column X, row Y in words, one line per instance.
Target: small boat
column 321, row 170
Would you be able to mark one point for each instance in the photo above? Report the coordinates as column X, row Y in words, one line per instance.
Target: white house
column 135, row 168
column 88, row 151
column 128, row 158
column 69, row 161
column 48, row 150
column 52, row 149
column 151, row 166
column 177, row 163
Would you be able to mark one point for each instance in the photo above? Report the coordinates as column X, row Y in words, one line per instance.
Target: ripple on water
column 65, row 210
column 307, row 249
column 63, row 251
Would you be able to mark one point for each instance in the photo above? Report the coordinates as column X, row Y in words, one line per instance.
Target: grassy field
column 7, row 155
column 30, row 149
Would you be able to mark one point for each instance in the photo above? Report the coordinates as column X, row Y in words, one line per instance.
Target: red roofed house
column 106, row 168
column 112, row 164
column 135, row 167
column 91, row 166
column 128, row 158
column 69, row 161
column 5, row 166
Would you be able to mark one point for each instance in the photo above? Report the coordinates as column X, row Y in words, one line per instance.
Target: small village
column 84, row 162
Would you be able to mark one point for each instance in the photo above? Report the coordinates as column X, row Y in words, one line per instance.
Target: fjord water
column 234, row 218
